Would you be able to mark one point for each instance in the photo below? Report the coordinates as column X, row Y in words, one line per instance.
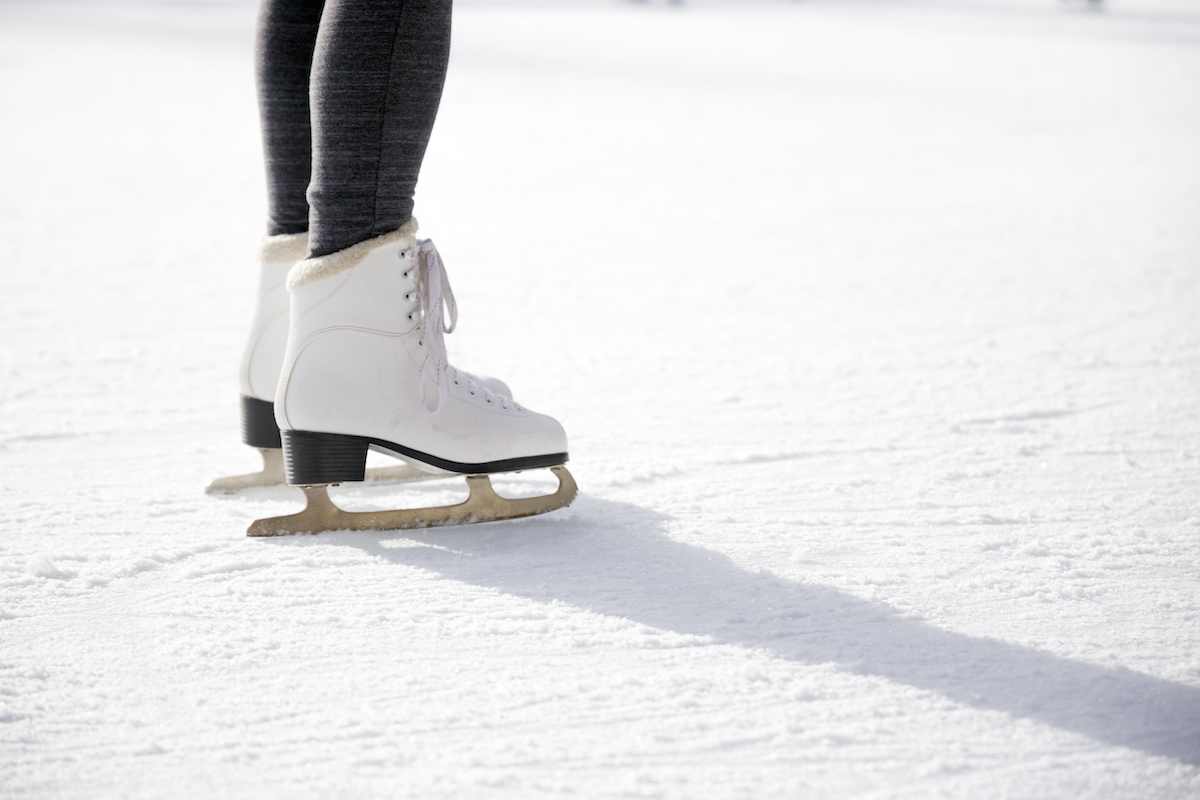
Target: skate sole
column 312, row 458
column 483, row 505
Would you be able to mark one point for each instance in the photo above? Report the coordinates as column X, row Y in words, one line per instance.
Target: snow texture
column 874, row 328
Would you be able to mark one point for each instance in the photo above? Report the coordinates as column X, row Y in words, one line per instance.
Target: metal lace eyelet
column 488, row 401
column 420, row 342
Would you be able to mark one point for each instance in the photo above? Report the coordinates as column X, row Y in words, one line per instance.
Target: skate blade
column 272, row 474
column 483, row 505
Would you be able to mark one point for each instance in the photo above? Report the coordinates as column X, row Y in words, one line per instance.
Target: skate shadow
column 615, row 559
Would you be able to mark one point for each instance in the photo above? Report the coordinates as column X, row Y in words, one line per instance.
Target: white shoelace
column 437, row 303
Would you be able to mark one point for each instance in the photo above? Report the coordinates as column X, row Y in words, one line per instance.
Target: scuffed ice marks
column 40, row 566
column 74, row 574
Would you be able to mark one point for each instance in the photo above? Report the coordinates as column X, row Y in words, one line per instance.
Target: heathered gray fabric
column 287, row 33
column 370, row 73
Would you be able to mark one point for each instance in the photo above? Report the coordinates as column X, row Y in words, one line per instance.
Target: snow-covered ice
column 874, row 328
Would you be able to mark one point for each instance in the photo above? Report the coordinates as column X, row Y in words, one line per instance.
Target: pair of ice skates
column 346, row 355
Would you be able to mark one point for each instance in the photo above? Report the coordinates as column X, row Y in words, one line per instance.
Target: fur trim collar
column 311, row 270
column 282, row 247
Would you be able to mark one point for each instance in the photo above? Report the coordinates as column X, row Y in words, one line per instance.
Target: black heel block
column 315, row 458
column 258, row 423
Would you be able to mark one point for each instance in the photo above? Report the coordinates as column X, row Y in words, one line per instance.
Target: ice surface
column 874, row 328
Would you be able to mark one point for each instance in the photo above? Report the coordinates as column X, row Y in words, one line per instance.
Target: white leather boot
column 262, row 361
column 262, row 358
column 366, row 367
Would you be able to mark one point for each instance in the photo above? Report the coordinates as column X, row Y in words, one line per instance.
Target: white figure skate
column 262, row 361
column 366, row 368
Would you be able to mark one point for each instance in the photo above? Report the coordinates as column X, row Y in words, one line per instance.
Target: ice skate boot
column 262, row 361
column 366, row 369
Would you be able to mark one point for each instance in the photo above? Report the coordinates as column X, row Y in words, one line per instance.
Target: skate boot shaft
column 262, row 356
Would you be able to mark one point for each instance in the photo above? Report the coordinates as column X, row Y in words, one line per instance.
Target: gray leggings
column 348, row 92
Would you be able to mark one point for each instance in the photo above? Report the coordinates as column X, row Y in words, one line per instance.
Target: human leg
column 285, row 38
column 366, row 366
column 378, row 71
column 376, row 89
column 364, row 347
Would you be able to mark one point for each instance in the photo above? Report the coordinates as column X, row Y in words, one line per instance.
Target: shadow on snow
column 616, row 559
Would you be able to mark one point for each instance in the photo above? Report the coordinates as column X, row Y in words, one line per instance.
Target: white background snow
column 874, row 329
